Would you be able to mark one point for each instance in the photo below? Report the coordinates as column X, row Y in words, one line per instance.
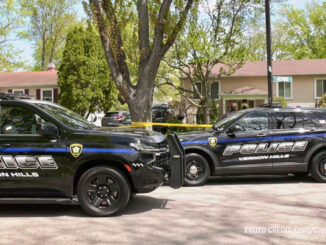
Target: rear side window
column 112, row 114
column 292, row 120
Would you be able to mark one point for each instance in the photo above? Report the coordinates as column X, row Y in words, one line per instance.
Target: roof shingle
column 280, row 68
column 12, row 79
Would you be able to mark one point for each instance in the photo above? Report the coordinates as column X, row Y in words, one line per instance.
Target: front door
column 246, row 151
column 30, row 164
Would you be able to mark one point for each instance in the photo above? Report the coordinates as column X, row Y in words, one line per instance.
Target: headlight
column 140, row 146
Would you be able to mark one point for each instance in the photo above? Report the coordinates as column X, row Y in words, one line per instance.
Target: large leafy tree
column 153, row 27
column 84, row 79
column 10, row 30
column 305, row 32
column 213, row 41
column 49, row 24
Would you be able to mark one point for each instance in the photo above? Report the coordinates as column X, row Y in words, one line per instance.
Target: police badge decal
column 76, row 150
column 212, row 141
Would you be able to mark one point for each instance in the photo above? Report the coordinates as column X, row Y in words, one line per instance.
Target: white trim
column 18, row 90
column 315, row 89
column 291, row 90
column 47, row 89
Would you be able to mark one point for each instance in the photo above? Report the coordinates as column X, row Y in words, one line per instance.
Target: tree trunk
column 140, row 105
column 206, row 112
column 43, row 65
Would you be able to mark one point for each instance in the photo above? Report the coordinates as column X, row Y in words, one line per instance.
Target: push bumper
column 168, row 166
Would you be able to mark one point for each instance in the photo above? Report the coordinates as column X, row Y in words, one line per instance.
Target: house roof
column 19, row 79
column 247, row 90
column 280, row 68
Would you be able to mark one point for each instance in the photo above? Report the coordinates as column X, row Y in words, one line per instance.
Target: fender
column 208, row 152
column 313, row 150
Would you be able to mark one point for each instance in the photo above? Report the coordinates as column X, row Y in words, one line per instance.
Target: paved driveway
column 259, row 210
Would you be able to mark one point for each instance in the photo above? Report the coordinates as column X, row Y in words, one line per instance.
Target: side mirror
column 48, row 130
column 232, row 130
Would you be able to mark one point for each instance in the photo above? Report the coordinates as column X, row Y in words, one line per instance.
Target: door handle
column 5, row 145
column 261, row 135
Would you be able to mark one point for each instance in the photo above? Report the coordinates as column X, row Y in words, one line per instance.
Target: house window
column 18, row 91
column 215, row 91
column 320, row 87
column 199, row 87
column 47, row 94
column 284, row 89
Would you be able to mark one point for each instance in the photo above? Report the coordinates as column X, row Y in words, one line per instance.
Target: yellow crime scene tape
column 148, row 124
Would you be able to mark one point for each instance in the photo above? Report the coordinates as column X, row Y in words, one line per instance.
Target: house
column 305, row 83
column 41, row 85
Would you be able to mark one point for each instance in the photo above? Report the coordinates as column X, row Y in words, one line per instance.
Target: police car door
column 292, row 138
column 246, row 147
column 30, row 164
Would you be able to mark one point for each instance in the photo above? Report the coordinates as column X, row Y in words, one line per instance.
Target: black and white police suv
column 48, row 154
column 265, row 140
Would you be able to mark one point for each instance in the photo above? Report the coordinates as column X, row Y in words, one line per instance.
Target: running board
column 33, row 200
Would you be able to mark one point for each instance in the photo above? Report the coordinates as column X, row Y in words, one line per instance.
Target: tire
column 103, row 191
column 201, row 170
column 318, row 167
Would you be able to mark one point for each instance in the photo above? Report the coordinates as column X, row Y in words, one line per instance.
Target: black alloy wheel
column 103, row 191
column 197, row 170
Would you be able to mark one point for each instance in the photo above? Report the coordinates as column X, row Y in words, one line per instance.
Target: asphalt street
column 233, row 210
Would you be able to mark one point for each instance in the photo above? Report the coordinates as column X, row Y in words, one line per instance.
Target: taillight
column 104, row 118
column 117, row 118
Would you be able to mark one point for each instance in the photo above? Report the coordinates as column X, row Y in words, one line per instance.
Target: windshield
column 225, row 121
column 68, row 117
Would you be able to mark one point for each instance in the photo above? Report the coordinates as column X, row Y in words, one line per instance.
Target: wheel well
column 95, row 163
column 313, row 155
column 205, row 155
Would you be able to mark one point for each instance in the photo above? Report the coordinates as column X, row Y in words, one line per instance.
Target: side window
column 254, row 121
column 288, row 120
column 319, row 119
column 19, row 120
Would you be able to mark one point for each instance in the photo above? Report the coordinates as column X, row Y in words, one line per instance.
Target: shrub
column 322, row 101
column 213, row 113
column 280, row 100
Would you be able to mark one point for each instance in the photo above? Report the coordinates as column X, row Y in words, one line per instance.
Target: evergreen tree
column 84, row 78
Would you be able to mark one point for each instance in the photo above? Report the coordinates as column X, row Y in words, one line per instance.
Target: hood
column 135, row 134
column 195, row 135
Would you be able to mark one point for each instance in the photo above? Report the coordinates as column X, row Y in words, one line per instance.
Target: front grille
column 162, row 160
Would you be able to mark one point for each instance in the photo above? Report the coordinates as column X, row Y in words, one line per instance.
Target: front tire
column 197, row 170
column 103, row 191
column 318, row 167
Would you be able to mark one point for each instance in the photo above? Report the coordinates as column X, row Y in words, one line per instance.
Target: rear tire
column 103, row 191
column 318, row 167
column 197, row 170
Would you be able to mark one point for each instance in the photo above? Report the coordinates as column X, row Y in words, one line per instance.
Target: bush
column 322, row 101
column 177, row 129
column 280, row 100
column 213, row 113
